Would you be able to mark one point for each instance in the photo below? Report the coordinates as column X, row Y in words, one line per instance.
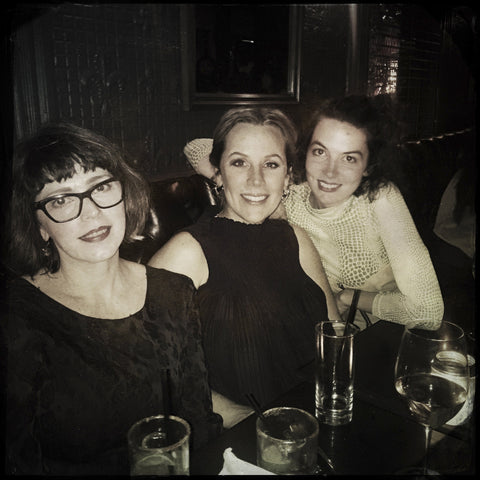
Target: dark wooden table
column 382, row 437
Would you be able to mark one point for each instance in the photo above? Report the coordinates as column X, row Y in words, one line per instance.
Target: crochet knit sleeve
column 198, row 152
column 418, row 296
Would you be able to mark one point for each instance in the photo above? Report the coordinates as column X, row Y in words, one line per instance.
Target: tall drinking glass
column 431, row 376
column 334, row 372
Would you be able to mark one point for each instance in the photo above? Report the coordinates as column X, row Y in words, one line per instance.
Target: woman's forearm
column 365, row 300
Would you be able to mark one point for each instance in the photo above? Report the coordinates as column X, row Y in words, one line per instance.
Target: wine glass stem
column 428, row 436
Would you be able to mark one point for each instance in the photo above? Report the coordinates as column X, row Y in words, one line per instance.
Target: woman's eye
column 61, row 202
column 272, row 165
column 318, row 152
column 103, row 188
column 238, row 162
column 350, row 159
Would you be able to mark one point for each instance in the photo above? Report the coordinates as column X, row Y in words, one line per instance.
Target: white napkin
column 234, row 466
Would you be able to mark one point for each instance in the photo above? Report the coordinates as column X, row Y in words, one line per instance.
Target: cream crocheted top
column 373, row 246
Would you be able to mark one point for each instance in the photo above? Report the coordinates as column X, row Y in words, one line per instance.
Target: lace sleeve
column 418, row 296
column 198, row 152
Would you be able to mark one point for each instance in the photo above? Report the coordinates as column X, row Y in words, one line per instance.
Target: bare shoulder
column 309, row 256
column 182, row 254
column 312, row 265
column 180, row 245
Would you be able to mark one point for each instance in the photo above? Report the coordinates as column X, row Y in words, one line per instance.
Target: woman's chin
column 322, row 199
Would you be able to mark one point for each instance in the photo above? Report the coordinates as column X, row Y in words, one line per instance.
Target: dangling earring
column 285, row 193
column 218, row 189
column 47, row 249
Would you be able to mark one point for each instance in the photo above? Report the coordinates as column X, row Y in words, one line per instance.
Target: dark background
column 116, row 68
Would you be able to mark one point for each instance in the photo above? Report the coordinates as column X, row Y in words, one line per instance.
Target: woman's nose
column 89, row 209
column 256, row 176
column 330, row 167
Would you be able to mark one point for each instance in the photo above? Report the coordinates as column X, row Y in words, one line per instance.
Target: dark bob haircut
column 254, row 116
column 52, row 155
column 376, row 117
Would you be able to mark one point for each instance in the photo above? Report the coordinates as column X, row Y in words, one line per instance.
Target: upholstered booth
column 425, row 169
column 176, row 203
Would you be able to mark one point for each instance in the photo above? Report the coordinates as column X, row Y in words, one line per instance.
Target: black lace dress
column 258, row 308
column 75, row 384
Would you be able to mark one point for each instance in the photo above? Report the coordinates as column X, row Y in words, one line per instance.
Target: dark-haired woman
column 89, row 336
column 358, row 219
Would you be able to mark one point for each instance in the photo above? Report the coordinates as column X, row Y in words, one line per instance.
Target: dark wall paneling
column 112, row 68
column 113, row 71
column 117, row 68
column 324, row 51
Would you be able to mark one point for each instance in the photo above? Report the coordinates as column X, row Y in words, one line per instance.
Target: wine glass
column 431, row 375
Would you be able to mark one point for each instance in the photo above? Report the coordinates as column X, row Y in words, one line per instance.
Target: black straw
column 350, row 318
column 255, row 405
column 166, row 398
column 166, row 392
column 366, row 318
column 353, row 308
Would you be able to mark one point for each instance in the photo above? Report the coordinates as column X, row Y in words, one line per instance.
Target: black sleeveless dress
column 258, row 308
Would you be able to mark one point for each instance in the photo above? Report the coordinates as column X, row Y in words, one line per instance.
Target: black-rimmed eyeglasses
column 68, row 206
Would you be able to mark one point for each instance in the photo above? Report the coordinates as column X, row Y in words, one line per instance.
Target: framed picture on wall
column 240, row 54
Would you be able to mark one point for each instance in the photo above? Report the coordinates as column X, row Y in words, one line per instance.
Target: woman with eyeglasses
column 89, row 336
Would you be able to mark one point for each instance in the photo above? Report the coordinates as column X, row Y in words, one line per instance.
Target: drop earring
column 46, row 249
